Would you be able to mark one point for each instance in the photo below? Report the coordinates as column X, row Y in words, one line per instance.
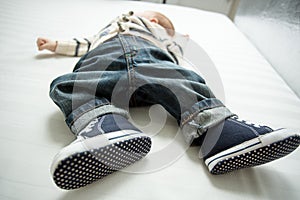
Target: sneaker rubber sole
column 83, row 168
column 255, row 152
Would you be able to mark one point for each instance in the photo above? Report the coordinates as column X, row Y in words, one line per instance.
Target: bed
column 33, row 129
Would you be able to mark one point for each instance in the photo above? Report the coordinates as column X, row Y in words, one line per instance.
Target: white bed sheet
column 33, row 129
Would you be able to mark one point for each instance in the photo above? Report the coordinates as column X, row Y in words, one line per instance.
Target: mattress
column 33, row 129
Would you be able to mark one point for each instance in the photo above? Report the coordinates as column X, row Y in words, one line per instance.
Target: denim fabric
column 130, row 71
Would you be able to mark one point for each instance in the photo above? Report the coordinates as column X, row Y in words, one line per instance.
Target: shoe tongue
column 261, row 129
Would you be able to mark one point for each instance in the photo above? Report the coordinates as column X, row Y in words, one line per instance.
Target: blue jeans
column 128, row 71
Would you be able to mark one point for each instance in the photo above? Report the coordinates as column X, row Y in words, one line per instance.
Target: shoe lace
column 248, row 122
column 89, row 127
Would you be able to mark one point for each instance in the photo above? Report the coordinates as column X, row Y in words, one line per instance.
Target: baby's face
column 158, row 18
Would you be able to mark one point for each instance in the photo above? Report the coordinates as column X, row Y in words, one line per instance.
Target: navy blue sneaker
column 107, row 144
column 236, row 144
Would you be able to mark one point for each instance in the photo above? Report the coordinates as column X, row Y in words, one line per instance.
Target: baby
column 134, row 61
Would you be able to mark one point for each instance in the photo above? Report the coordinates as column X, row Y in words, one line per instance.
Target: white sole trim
column 83, row 168
column 86, row 144
column 250, row 145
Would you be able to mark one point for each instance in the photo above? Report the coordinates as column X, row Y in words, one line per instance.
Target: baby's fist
column 44, row 43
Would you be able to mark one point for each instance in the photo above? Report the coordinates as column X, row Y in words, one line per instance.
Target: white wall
column 274, row 27
column 221, row 6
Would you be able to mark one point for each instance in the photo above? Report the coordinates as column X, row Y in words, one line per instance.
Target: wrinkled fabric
column 129, row 71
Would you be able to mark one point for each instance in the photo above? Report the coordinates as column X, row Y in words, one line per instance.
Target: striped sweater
column 123, row 24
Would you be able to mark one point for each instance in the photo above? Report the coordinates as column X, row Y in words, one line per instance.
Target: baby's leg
column 106, row 140
column 227, row 142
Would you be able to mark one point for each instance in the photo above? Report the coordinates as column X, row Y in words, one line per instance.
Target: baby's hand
column 44, row 43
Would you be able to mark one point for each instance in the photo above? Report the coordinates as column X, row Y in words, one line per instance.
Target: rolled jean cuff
column 80, row 117
column 199, row 121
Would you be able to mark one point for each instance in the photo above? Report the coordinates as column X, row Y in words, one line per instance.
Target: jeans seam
column 132, row 55
column 128, row 52
column 126, row 55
